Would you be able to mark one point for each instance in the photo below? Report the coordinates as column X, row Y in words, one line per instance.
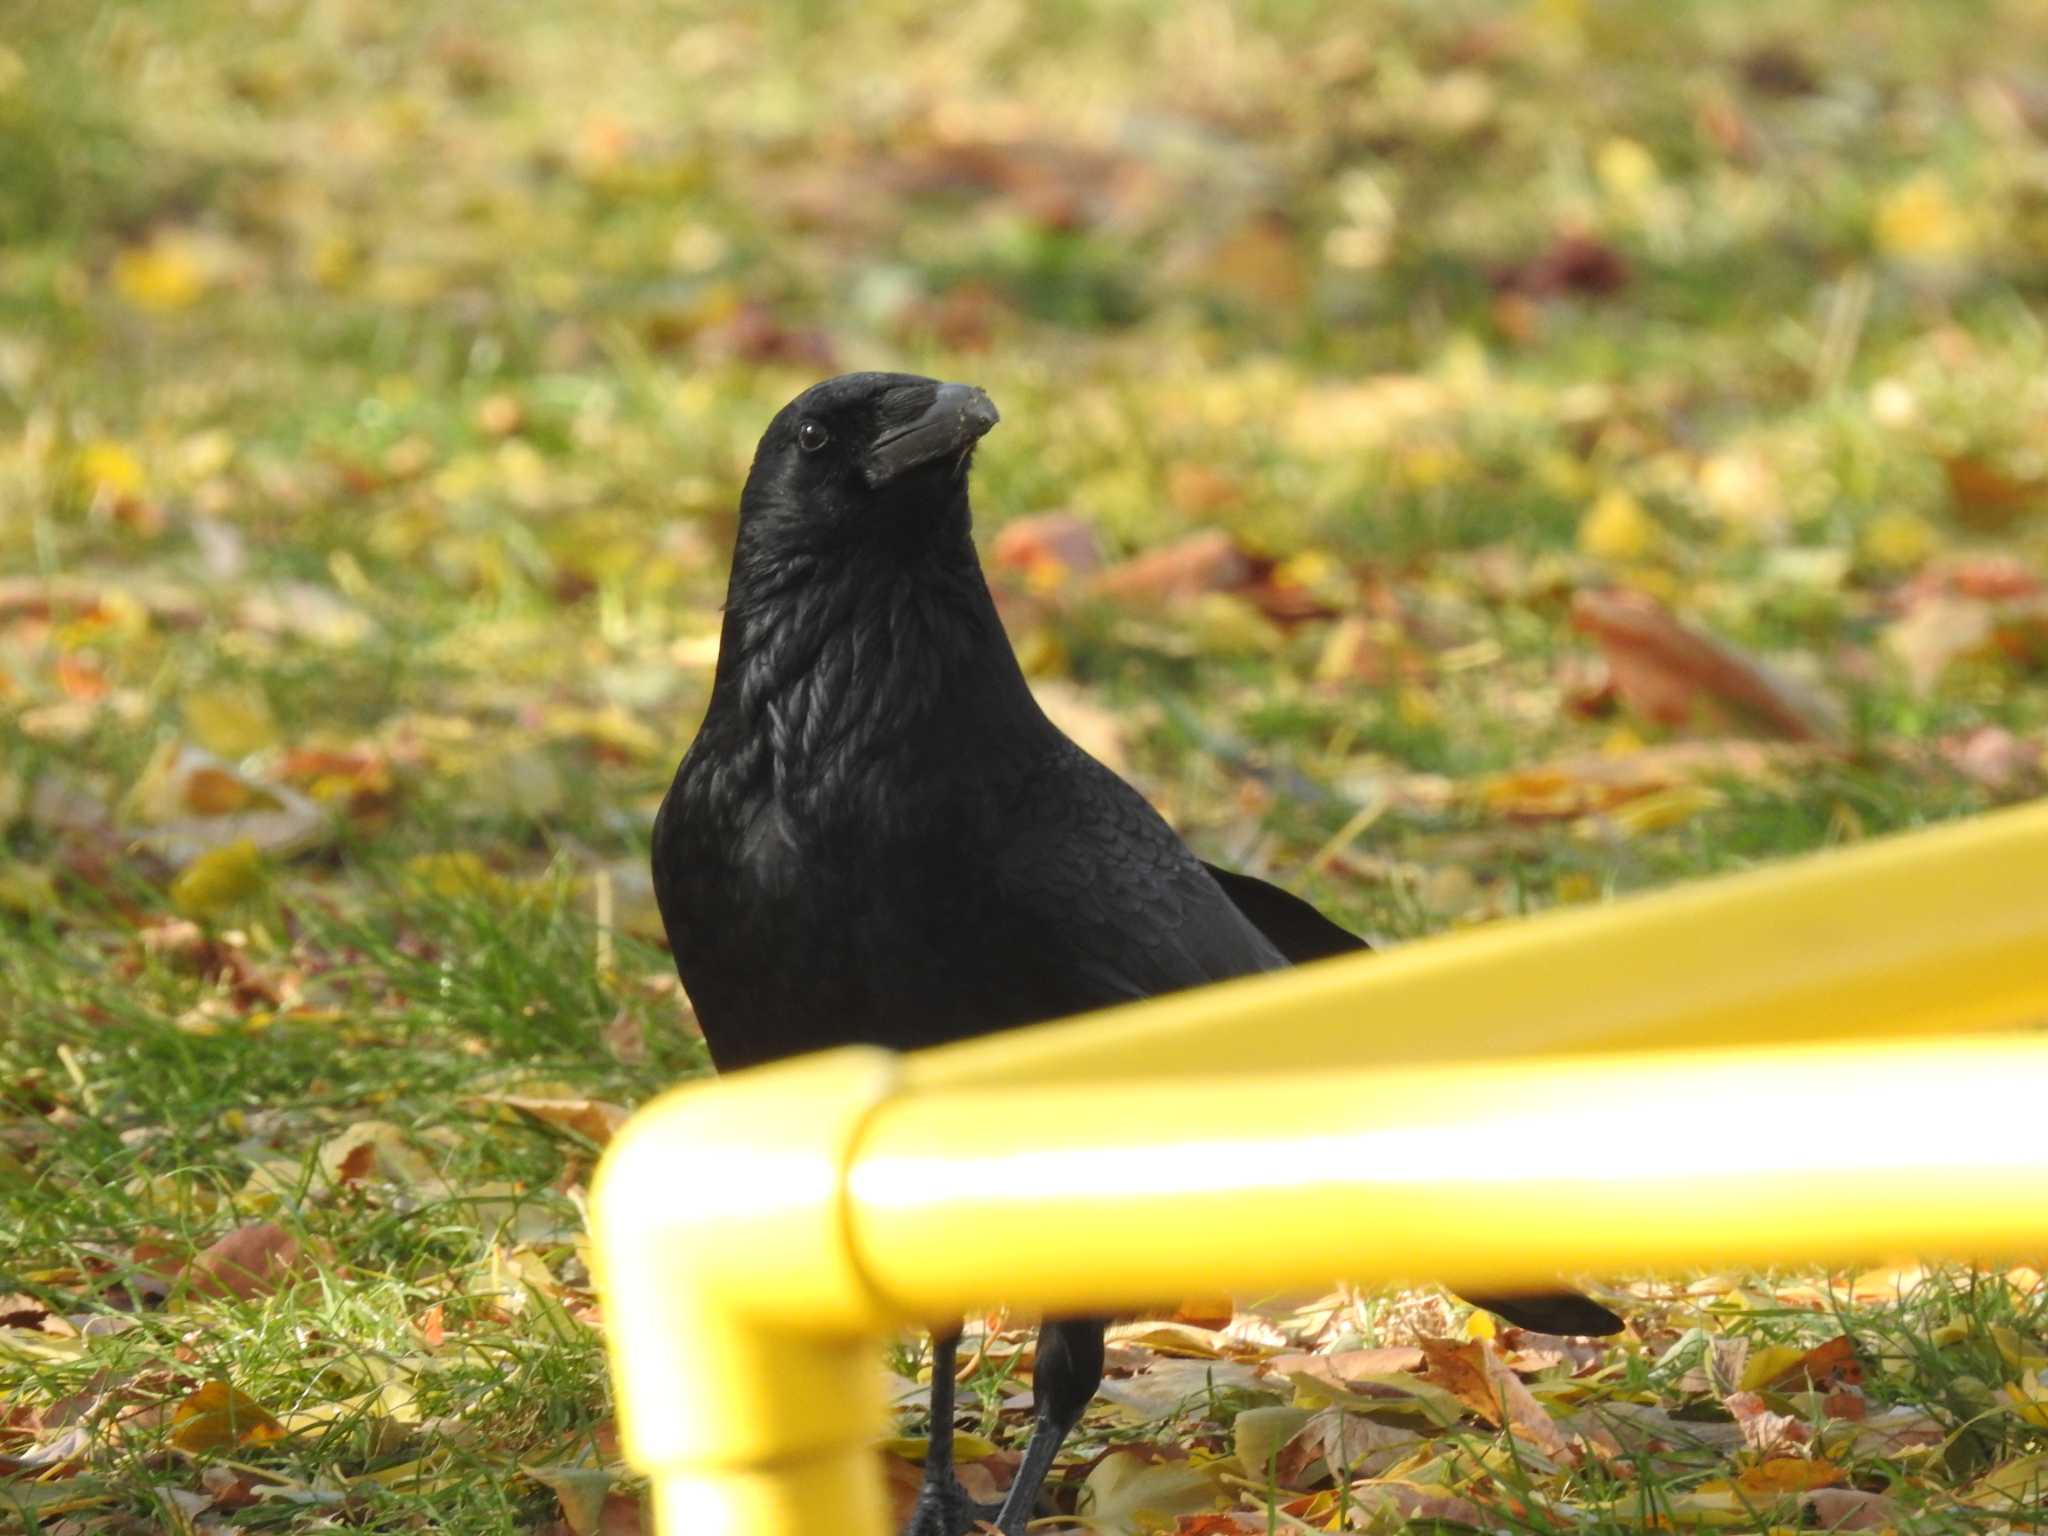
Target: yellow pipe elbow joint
column 741, row 1329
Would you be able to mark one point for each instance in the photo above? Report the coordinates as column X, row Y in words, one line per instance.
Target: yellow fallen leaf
column 1919, row 220
column 1616, row 527
column 2019, row 1482
column 219, row 879
column 217, row 1417
column 105, row 465
column 1769, row 1363
column 165, row 275
column 2028, row 1398
column 967, row 1446
column 1899, row 540
column 1663, row 809
column 2014, row 1351
column 232, row 720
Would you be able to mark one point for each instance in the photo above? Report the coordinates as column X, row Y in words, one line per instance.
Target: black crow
column 878, row 837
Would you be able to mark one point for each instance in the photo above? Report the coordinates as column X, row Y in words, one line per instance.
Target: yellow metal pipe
column 754, row 1237
column 741, row 1333
column 1102, row 1195
column 1941, row 930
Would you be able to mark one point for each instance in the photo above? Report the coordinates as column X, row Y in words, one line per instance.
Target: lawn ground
column 1458, row 460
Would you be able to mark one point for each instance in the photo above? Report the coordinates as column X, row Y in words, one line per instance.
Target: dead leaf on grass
column 218, row 1417
column 248, row 1262
column 1666, row 669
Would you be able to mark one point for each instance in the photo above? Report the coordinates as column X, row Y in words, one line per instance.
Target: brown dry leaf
column 1666, row 669
column 217, row 1417
column 1209, row 561
column 1575, row 265
column 1852, row 1509
column 248, row 1262
column 1762, row 1430
column 582, row 1493
column 1472, row 1372
column 593, row 1119
column 1988, row 499
column 1348, row 1369
column 1348, row 1444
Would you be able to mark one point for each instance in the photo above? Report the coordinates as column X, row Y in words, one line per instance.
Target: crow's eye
column 811, row 437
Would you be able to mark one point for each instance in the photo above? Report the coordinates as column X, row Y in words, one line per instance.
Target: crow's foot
column 946, row 1510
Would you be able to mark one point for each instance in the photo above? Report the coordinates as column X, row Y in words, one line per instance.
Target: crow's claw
column 947, row 1511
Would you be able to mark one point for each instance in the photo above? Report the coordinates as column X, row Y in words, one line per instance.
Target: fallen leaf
column 189, row 802
column 1762, row 1430
column 231, row 720
column 1987, row 498
column 1472, row 1372
column 1046, row 552
column 248, row 1262
column 1665, row 669
column 1574, row 264
column 1347, row 1368
column 1258, row 1435
column 219, row 879
column 1617, row 528
column 1408, row 1501
column 218, row 1417
column 1348, row 1445
column 374, row 1150
column 581, row 1492
column 593, row 1119
column 1779, row 1475
column 1131, row 1492
column 1210, row 561
column 1852, row 1509
column 1782, row 1366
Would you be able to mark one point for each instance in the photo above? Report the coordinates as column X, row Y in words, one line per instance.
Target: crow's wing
column 1293, row 926
column 1094, row 899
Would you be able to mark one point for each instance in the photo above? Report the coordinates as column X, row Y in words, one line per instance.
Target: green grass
column 376, row 381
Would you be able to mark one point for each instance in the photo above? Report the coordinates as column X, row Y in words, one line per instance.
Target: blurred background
column 1457, row 458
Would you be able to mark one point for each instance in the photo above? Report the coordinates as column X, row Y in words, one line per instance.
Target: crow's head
column 865, row 457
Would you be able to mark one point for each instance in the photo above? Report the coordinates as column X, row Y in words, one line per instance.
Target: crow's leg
column 943, row 1508
column 1068, row 1371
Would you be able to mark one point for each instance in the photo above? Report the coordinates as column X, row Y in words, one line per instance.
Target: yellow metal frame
column 1621, row 1087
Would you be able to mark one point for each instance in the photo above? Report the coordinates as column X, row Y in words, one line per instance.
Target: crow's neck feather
column 835, row 665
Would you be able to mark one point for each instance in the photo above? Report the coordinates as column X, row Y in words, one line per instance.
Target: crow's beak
column 952, row 425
